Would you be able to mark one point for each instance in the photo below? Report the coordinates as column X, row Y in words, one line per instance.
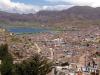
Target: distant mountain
column 69, row 16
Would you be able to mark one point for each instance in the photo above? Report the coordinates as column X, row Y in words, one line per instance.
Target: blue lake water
column 19, row 30
column 27, row 30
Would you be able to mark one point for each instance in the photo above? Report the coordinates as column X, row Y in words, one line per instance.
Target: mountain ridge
column 69, row 16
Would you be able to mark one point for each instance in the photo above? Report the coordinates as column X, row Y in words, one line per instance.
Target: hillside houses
column 78, row 48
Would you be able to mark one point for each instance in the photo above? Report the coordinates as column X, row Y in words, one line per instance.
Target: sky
column 33, row 6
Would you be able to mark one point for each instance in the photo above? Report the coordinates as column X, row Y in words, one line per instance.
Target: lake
column 28, row 30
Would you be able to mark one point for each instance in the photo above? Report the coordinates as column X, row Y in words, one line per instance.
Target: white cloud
column 93, row 3
column 17, row 7
column 8, row 5
column 56, row 7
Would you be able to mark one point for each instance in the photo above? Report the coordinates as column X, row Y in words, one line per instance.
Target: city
column 79, row 49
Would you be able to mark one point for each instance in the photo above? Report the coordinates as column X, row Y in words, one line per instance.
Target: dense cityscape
column 78, row 49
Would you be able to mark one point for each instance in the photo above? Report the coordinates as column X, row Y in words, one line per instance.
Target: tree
column 37, row 65
column 3, row 50
column 7, row 61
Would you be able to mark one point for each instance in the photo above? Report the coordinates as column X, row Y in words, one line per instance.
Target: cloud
column 93, row 3
column 8, row 5
column 17, row 7
column 56, row 7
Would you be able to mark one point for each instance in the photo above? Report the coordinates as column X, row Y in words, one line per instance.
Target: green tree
column 37, row 65
column 3, row 50
column 7, row 61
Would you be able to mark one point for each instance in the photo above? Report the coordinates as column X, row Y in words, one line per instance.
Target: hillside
column 77, row 16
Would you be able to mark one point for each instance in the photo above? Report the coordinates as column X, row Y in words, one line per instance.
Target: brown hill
column 72, row 16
